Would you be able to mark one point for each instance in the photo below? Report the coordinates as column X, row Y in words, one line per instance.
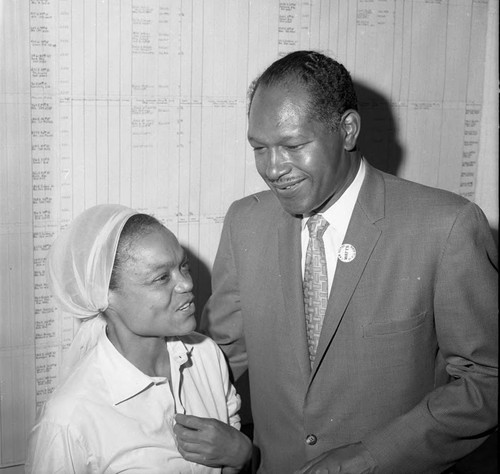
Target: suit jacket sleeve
column 457, row 416
column 222, row 318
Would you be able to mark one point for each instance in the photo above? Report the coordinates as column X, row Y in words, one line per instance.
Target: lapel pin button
column 346, row 253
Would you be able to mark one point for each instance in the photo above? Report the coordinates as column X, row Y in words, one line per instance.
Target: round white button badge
column 346, row 253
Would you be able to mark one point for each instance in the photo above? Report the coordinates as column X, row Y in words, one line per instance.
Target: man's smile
column 284, row 186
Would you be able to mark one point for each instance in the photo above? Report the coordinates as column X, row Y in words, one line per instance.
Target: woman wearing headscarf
column 140, row 390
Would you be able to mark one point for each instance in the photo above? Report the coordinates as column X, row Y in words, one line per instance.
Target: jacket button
column 311, row 440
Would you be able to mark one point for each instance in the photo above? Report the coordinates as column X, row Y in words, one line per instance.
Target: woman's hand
column 211, row 442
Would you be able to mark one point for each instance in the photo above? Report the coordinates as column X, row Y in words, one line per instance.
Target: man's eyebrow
column 298, row 136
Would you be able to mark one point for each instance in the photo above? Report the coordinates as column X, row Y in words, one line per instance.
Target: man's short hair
column 328, row 83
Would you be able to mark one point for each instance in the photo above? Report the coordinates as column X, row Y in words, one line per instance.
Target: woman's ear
column 112, row 310
column 112, row 298
column 351, row 126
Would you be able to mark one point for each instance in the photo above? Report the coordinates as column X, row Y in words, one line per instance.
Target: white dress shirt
column 338, row 217
column 109, row 417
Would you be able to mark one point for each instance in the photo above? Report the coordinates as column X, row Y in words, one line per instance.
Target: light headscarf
column 79, row 266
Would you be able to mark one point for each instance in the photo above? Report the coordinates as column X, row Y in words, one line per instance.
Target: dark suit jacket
column 407, row 361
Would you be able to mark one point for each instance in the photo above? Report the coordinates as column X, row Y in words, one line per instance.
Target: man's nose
column 277, row 165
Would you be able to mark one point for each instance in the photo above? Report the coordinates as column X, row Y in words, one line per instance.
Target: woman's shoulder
column 82, row 386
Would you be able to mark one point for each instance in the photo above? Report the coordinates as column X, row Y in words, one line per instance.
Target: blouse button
column 311, row 439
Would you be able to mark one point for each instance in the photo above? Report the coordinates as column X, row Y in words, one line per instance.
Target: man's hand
column 211, row 442
column 349, row 459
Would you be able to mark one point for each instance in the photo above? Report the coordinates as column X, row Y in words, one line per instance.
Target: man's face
column 302, row 160
column 155, row 295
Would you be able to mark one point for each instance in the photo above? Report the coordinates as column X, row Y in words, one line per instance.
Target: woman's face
column 155, row 297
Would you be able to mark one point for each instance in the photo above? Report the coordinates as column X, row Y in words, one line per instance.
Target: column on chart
column 44, row 158
column 477, row 13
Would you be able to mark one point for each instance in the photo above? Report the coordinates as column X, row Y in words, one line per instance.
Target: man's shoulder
column 402, row 190
column 404, row 202
column 262, row 198
column 261, row 205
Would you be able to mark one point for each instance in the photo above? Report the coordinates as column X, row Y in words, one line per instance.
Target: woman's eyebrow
column 168, row 264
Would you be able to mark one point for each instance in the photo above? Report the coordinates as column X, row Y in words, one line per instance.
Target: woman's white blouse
column 109, row 417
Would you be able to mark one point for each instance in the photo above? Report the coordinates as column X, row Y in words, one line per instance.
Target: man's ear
column 351, row 126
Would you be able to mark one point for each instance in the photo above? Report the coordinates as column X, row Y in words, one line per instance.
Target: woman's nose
column 184, row 283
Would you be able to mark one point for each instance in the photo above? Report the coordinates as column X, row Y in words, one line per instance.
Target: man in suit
column 398, row 374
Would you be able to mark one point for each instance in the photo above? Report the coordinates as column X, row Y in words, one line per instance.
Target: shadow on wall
column 378, row 139
column 201, row 275
column 494, row 231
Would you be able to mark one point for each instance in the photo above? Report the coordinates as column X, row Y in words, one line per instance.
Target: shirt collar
column 339, row 213
column 124, row 379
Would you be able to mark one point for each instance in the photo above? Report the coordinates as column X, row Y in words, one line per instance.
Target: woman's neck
column 148, row 354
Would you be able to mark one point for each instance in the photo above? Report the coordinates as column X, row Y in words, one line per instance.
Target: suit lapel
column 363, row 234
column 291, row 280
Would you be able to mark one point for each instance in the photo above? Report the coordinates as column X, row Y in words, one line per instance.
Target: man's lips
column 286, row 185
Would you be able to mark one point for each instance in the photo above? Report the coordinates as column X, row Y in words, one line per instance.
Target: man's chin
column 293, row 208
